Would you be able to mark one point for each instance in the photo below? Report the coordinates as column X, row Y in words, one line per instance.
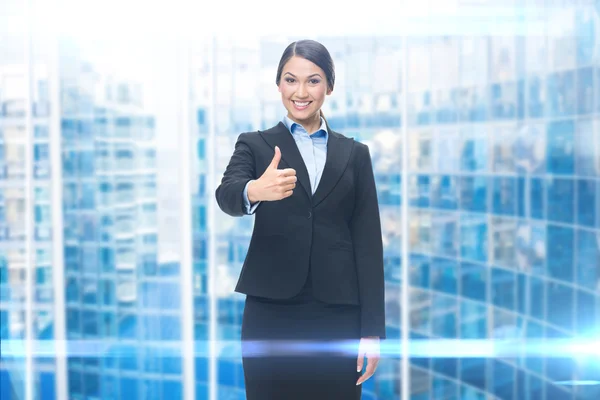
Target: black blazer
column 337, row 231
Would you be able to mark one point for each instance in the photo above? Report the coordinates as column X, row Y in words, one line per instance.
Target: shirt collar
column 295, row 128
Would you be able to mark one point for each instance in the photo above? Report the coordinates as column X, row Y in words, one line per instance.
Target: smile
column 301, row 105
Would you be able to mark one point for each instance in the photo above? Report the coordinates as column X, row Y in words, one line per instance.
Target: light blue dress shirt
column 313, row 149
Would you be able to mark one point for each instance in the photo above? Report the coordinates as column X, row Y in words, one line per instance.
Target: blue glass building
column 27, row 245
column 504, row 209
column 490, row 143
column 116, row 291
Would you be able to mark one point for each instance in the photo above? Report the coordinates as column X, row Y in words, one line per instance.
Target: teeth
column 301, row 104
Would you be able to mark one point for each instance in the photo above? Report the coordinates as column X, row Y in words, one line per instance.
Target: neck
column 312, row 124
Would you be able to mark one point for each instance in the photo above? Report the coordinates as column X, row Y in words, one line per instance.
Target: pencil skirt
column 300, row 348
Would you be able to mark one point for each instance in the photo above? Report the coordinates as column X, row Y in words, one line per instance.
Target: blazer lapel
column 339, row 149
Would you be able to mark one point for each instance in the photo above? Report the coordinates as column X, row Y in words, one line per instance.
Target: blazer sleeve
column 365, row 227
column 239, row 171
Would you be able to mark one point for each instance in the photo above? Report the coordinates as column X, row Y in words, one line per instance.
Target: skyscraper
column 489, row 142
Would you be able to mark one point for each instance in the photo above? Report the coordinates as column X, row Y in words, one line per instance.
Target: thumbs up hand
column 274, row 184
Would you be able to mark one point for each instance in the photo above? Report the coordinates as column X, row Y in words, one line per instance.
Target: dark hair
column 314, row 52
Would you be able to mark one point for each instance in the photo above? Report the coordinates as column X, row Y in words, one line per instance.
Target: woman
column 313, row 275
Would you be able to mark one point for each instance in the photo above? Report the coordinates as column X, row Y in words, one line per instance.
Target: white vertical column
column 58, row 260
column 211, row 226
column 405, row 306
column 185, row 169
column 29, row 204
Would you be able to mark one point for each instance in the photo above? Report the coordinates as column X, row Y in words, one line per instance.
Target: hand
column 369, row 347
column 274, row 184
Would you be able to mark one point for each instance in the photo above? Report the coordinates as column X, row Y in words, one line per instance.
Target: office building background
column 113, row 251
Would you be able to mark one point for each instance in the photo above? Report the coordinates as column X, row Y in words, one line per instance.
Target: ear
column 329, row 91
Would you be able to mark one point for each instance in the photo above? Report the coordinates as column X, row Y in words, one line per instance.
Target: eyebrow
column 310, row 76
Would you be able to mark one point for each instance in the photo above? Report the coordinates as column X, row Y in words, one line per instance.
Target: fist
column 274, row 184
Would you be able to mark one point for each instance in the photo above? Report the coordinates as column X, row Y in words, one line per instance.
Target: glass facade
column 504, row 209
column 491, row 143
column 27, row 292
column 116, row 290
column 13, row 269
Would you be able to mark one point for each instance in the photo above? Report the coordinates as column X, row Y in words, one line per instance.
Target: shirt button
column 309, row 215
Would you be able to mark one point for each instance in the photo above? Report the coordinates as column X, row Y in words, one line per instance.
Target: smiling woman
column 305, row 76
column 314, row 290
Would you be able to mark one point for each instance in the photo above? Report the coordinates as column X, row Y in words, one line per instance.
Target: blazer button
column 309, row 215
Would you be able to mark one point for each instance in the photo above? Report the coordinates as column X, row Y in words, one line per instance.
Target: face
column 303, row 82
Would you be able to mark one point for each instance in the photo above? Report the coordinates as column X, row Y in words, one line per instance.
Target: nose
column 301, row 92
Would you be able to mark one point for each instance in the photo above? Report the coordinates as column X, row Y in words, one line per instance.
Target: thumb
column 276, row 158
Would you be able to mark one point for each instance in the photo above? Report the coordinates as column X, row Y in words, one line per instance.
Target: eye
column 289, row 80
column 315, row 81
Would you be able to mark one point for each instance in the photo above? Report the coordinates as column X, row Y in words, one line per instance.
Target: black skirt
column 300, row 348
